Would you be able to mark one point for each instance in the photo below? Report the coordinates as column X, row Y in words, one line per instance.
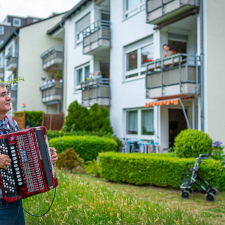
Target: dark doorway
column 177, row 123
column 178, row 46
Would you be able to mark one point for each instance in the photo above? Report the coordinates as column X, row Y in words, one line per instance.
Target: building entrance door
column 177, row 123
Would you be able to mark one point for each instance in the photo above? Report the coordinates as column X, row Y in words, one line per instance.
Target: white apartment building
column 31, row 53
column 150, row 96
column 148, row 100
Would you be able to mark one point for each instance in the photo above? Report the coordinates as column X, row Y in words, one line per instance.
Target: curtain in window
column 147, row 119
column 132, row 122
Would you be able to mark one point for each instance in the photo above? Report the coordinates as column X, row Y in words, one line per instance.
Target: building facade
column 29, row 52
column 152, row 97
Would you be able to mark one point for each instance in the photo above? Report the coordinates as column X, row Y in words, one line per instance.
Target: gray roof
column 69, row 14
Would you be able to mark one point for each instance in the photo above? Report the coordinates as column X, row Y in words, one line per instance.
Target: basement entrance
column 177, row 123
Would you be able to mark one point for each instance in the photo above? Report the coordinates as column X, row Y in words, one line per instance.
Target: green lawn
column 83, row 199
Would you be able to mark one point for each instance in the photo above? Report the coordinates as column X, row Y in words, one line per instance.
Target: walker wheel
column 210, row 197
column 185, row 194
column 213, row 190
column 190, row 190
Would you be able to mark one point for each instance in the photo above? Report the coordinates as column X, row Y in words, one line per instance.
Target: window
column 16, row 22
column 81, row 74
column 35, row 20
column 136, row 55
column 79, row 27
column 1, row 42
column 132, row 122
column 140, row 122
column 133, row 6
column 147, row 122
column 1, row 30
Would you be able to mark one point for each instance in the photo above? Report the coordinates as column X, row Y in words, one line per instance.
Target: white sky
column 35, row 8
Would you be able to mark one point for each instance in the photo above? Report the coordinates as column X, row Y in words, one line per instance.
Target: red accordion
column 31, row 171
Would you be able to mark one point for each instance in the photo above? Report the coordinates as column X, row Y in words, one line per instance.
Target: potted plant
column 58, row 76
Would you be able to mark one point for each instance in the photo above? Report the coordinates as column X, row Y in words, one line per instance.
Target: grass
column 82, row 199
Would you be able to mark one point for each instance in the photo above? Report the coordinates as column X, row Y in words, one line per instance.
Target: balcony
column 160, row 11
column 95, row 91
column 11, row 63
column 52, row 59
column 51, row 92
column 1, row 72
column 96, row 37
column 177, row 75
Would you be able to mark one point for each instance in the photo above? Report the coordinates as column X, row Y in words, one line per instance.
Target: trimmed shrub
column 69, row 160
column 154, row 169
column 81, row 119
column 92, row 167
column 190, row 143
column 33, row 118
column 87, row 147
column 54, row 134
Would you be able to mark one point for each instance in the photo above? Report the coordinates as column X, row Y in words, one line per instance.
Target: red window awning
column 173, row 101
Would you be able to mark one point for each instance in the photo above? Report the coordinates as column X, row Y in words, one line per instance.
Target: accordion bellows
column 31, row 171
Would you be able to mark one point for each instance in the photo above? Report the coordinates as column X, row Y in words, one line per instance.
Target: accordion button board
column 31, row 171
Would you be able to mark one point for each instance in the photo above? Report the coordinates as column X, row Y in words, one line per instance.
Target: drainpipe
column 202, row 96
column 61, row 24
column 17, row 64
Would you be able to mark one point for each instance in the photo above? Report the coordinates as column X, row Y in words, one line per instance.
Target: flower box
column 170, row 61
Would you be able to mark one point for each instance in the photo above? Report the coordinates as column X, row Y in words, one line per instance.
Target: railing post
column 162, row 4
column 162, row 77
column 197, row 81
column 180, row 73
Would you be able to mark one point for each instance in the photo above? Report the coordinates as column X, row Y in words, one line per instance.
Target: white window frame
column 139, row 134
column 16, row 19
column 1, row 30
column 140, row 6
column 140, row 69
column 78, row 87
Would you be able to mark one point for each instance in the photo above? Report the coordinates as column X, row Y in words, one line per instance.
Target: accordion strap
column 11, row 123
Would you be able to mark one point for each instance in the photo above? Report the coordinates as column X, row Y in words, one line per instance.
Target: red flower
column 174, row 52
column 148, row 60
column 165, row 55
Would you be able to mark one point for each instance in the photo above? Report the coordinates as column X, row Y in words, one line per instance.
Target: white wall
column 125, row 94
column 33, row 41
column 214, row 74
column 75, row 55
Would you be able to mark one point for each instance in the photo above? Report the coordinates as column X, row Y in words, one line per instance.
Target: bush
column 69, row 160
column 81, row 119
column 87, row 147
column 53, row 134
column 92, row 167
column 154, row 169
column 190, row 143
column 33, row 118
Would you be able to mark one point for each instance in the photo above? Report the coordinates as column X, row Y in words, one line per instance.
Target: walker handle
column 204, row 155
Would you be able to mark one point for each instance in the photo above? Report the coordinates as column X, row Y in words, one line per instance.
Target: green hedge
column 154, row 169
column 87, row 147
column 32, row 118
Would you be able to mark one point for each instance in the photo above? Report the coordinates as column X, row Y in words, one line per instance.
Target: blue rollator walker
column 191, row 179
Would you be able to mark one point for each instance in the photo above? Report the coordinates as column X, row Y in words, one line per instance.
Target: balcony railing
column 2, row 72
column 160, row 11
column 51, row 91
column 96, row 37
column 172, row 76
column 52, row 59
column 11, row 63
column 96, row 91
